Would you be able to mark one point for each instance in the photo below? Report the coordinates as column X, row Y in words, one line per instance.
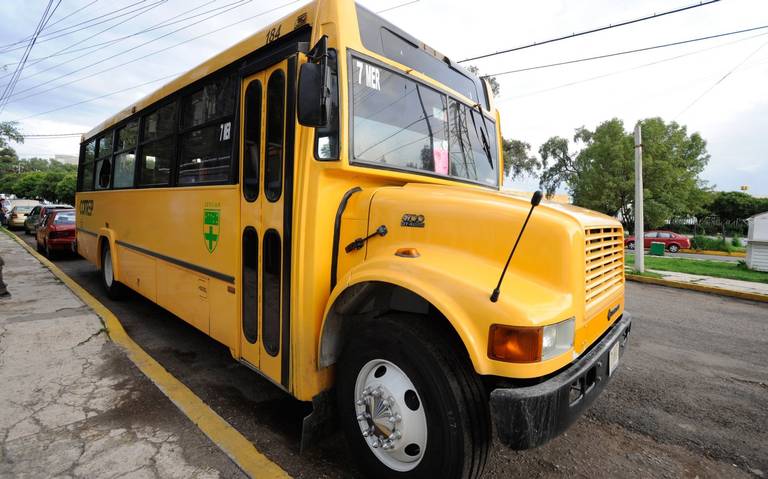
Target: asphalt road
column 690, row 398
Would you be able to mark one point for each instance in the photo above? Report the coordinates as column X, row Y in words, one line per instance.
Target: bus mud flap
column 320, row 423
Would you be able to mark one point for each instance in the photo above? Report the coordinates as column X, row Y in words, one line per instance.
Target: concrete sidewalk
column 733, row 285
column 71, row 403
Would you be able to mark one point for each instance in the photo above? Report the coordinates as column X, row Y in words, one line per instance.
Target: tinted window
column 155, row 162
column 270, row 294
column 250, row 285
column 382, row 37
column 651, row 235
column 273, row 165
column 105, row 145
column 665, row 235
column 103, row 173
column 205, row 155
column 214, row 100
column 90, row 150
column 127, row 136
column 125, row 165
column 86, row 182
column 252, row 140
column 160, row 123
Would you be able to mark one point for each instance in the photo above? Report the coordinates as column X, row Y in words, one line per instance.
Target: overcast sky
column 731, row 115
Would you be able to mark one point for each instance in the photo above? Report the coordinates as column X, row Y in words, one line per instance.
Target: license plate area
column 613, row 358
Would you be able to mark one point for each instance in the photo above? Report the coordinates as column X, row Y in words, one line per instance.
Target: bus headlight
column 557, row 339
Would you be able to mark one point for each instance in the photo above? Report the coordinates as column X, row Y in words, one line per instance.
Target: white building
column 757, row 248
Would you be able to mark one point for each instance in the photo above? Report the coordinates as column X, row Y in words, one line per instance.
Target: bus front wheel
column 411, row 405
column 115, row 290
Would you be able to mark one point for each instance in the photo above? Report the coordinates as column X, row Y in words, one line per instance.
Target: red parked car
column 56, row 232
column 672, row 241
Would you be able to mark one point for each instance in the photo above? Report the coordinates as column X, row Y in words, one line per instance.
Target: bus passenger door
column 266, row 202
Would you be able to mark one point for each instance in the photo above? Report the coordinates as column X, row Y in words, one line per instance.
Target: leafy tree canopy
column 600, row 174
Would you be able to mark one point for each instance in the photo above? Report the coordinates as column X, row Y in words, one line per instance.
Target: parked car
column 673, row 242
column 19, row 213
column 56, row 232
column 38, row 213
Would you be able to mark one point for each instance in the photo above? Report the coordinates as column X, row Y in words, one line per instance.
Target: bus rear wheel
column 410, row 404
column 115, row 290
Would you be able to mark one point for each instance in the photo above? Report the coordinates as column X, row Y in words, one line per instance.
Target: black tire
column 631, row 245
column 673, row 248
column 454, row 399
column 115, row 290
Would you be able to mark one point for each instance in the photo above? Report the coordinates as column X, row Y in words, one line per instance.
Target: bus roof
column 293, row 21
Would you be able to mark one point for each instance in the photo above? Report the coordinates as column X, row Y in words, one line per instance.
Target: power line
column 9, row 87
column 745, row 60
column 625, row 52
column 594, row 30
column 121, row 65
column 50, row 25
column 63, row 51
column 99, row 97
column 93, row 48
column 128, row 50
column 398, row 6
column 625, row 70
column 6, row 48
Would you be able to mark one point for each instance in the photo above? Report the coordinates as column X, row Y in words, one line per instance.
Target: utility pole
column 639, row 227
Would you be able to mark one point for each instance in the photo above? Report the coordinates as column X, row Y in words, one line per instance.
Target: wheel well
column 103, row 242
column 369, row 300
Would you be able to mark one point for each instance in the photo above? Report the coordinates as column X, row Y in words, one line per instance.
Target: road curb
column 698, row 287
column 735, row 254
column 239, row 449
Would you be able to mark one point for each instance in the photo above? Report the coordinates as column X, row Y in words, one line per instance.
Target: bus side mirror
column 312, row 102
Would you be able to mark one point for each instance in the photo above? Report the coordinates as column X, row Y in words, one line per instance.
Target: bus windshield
column 403, row 124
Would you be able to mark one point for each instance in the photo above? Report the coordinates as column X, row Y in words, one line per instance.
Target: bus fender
column 108, row 235
column 357, row 287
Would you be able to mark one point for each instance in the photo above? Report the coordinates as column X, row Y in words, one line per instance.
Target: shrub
column 708, row 243
column 736, row 242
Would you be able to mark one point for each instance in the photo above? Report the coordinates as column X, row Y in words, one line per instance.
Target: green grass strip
column 716, row 269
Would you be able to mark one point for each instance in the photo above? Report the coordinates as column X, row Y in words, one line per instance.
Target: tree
column 29, row 185
column 65, row 189
column 517, row 158
column 600, row 175
column 495, row 87
column 9, row 132
column 736, row 205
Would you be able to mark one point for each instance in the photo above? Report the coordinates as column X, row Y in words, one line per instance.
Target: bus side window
column 125, row 156
column 85, row 179
column 252, row 140
column 273, row 164
column 206, row 141
column 158, row 149
column 104, row 162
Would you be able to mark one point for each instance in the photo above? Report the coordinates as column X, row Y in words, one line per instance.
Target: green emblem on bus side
column 211, row 222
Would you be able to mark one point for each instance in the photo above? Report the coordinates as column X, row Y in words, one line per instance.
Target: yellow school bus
column 324, row 198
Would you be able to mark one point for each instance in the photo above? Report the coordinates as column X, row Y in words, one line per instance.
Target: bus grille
column 604, row 262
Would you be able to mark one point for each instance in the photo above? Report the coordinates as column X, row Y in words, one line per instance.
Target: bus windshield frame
column 365, row 74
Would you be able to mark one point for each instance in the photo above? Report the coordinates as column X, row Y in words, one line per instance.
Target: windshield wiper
column 483, row 134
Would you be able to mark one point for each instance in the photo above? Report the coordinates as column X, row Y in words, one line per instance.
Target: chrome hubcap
column 390, row 415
